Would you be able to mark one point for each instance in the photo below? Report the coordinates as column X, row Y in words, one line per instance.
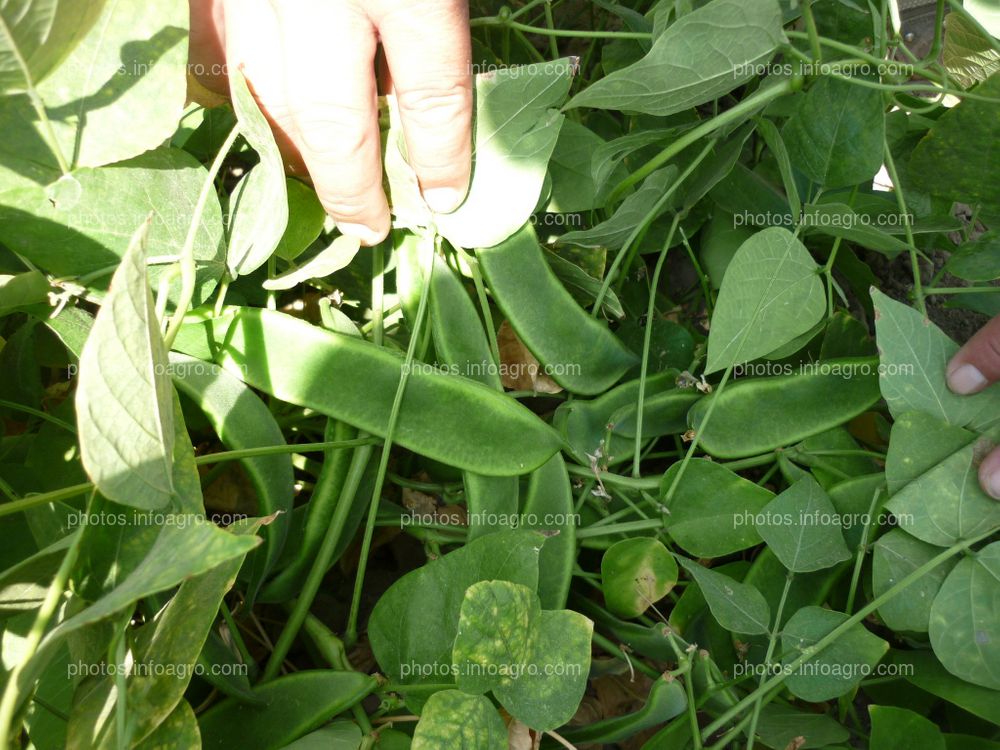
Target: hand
column 975, row 366
column 311, row 67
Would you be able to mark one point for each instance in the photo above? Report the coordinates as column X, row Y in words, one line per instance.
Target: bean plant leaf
column 840, row 666
column 958, row 158
column 770, row 294
column 414, row 625
column 288, row 708
column 327, row 261
column 515, row 133
column 168, row 646
column 967, row 54
column 802, row 528
column 124, row 400
column 895, row 556
column 636, row 573
column 179, row 729
column 977, row 260
column 495, row 626
column 781, row 726
column 85, row 230
column 306, row 218
column 713, row 511
column 738, row 607
column 915, row 355
column 614, row 232
column 127, row 76
column 890, row 723
column 36, row 35
column 452, row 720
column 836, row 135
column 259, row 209
column 704, row 55
column 573, row 186
column 965, row 619
column 549, row 687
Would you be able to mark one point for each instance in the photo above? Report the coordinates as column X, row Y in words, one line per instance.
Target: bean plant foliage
column 646, row 445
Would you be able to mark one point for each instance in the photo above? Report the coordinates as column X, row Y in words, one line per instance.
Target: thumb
column 977, row 364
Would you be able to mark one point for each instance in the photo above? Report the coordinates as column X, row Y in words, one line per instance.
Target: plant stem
column 351, row 635
column 589, row 532
column 34, row 501
column 960, row 289
column 817, row 50
column 647, row 341
column 510, row 23
column 862, row 551
column 772, row 640
column 628, row 483
column 12, row 697
column 188, row 265
column 271, row 450
column 897, row 188
column 737, row 113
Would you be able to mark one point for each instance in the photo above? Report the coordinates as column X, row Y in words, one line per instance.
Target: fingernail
column 366, row 234
column 966, row 379
column 443, row 200
column 989, row 475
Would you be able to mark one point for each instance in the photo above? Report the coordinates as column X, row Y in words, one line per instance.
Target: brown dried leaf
column 519, row 370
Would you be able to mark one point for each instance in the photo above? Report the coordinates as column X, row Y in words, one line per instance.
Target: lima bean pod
column 242, row 420
column 666, row 700
column 548, row 507
column 582, row 354
column 450, row 419
column 292, row 706
column 491, row 503
column 757, row 415
column 318, row 512
column 584, row 424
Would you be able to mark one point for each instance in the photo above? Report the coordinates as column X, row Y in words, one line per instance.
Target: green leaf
column 179, row 729
column 86, row 229
column 802, row 528
column 911, row 455
column 121, row 92
column 965, row 619
column 896, row 555
column 713, row 511
column 958, row 158
column 738, row 607
column 840, row 666
column 704, row 55
column 968, row 55
column 890, row 724
column 182, row 549
column 835, row 136
column 840, row 220
column 259, row 205
column 781, row 726
column 614, row 232
column 36, row 35
column 515, row 133
column 771, row 293
column 926, row 672
column 915, row 355
column 22, row 290
column 978, row 260
column 292, row 707
column 124, row 397
column 548, row 691
column 495, row 627
column 327, row 261
column 573, row 186
column 169, row 646
column 548, row 506
column 414, row 625
column 636, row 573
column 340, row 735
column 961, row 510
column 452, row 720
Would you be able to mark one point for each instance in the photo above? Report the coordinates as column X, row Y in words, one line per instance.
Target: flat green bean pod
column 548, row 507
column 585, row 424
column 318, row 512
column 581, row 353
column 242, row 420
column 757, row 415
column 491, row 503
column 450, row 419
